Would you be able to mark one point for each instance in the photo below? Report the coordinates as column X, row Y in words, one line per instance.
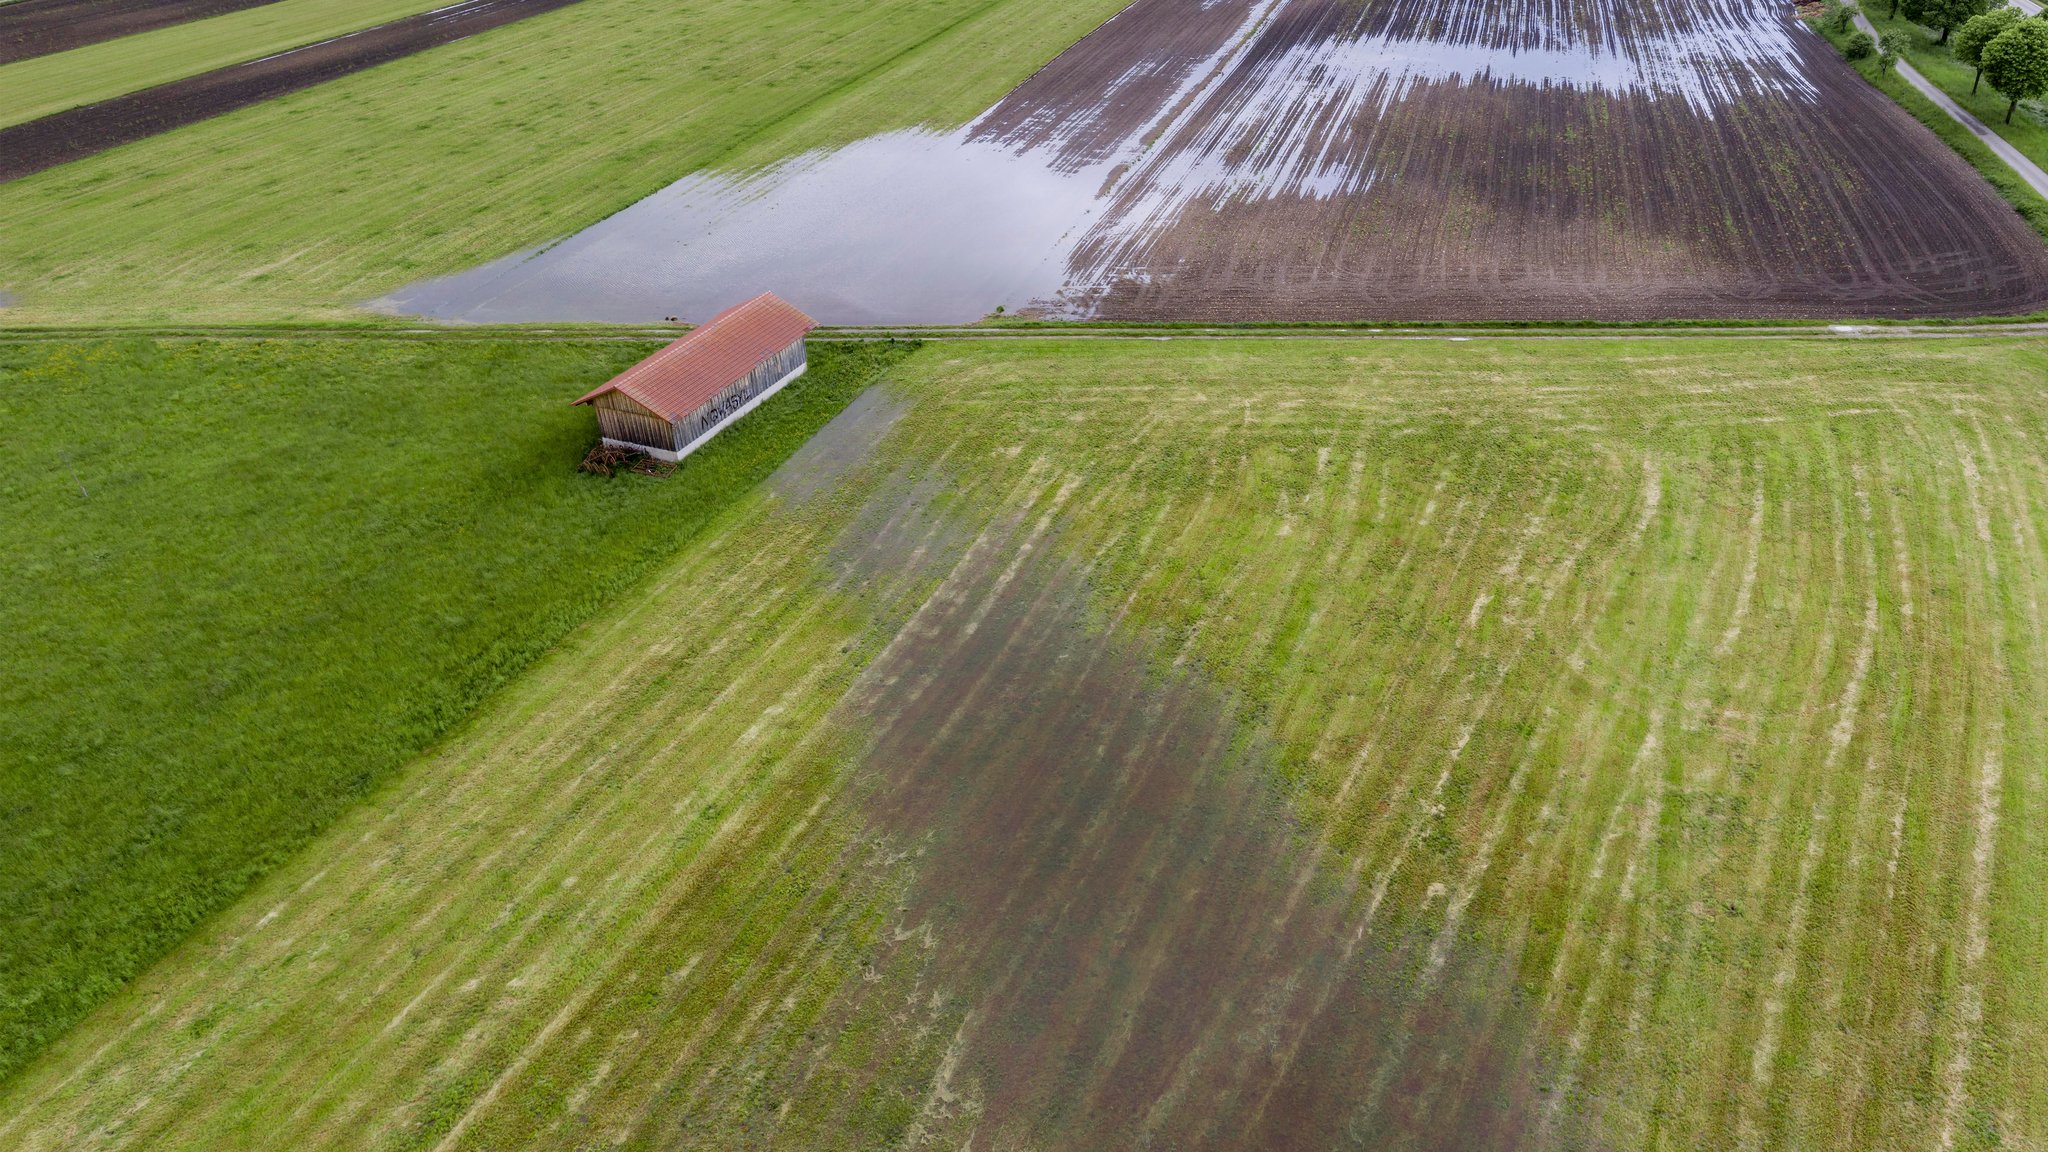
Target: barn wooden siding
column 734, row 396
column 621, row 418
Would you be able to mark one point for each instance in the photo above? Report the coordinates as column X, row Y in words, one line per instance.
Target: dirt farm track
column 1414, row 160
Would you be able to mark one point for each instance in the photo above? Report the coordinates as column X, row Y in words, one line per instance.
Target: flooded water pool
column 1338, row 159
column 911, row 226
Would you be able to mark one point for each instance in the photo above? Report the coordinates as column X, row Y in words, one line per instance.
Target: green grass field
column 47, row 84
column 312, row 204
column 1491, row 744
column 247, row 581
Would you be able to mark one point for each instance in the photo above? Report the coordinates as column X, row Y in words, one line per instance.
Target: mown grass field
column 48, row 84
column 314, row 203
column 1491, row 744
column 249, row 580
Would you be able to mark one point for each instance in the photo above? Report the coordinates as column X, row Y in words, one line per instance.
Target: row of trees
column 2007, row 50
column 2004, row 46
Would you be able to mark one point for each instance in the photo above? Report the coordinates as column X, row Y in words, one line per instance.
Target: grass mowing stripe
column 34, row 88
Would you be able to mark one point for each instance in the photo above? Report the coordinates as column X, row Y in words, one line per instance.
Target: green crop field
column 47, row 84
column 314, row 203
column 1496, row 744
column 247, row 581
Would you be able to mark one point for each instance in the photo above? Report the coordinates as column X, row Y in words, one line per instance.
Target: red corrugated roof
column 677, row 380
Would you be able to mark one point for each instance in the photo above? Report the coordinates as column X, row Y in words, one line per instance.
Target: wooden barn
column 669, row 404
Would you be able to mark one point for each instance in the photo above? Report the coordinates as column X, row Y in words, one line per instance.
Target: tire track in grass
column 1349, row 569
column 1294, row 702
column 1566, row 794
column 1889, row 1022
column 1633, row 824
column 1793, row 701
column 1361, row 637
column 1754, row 545
column 1439, row 951
column 1698, row 773
column 1628, row 917
column 1584, row 619
column 1832, row 1058
column 1411, row 776
column 1848, row 710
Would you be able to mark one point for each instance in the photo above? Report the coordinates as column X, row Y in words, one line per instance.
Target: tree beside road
column 2016, row 63
column 1978, row 31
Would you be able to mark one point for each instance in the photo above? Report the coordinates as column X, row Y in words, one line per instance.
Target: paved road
column 2013, row 157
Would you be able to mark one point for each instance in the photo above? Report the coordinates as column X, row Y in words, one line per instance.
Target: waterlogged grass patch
column 1211, row 744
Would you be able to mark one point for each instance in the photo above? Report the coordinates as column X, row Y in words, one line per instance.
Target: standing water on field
column 904, row 227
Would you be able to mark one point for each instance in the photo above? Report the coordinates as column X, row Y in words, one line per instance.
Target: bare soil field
column 30, row 28
column 1454, row 745
column 1421, row 161
column 79, row 132
column 1343, row 160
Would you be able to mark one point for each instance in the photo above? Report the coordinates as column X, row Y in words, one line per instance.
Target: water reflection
column 906, row 227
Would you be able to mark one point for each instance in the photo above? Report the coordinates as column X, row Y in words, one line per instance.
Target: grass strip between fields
column 250, row 581
column 48, row 84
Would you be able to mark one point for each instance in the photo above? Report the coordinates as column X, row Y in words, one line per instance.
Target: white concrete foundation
column 715, row 429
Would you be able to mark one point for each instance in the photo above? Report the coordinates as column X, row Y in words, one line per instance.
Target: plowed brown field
column 1409, row 159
